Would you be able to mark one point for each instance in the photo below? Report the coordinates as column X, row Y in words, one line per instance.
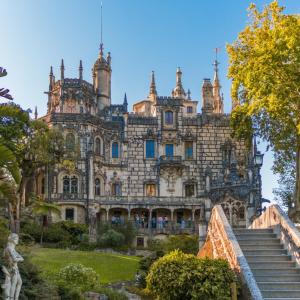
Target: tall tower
column 102, row 76
column 152, row 93
column 102, row 79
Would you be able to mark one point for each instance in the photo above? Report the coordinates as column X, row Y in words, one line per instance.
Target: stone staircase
column 276, row 274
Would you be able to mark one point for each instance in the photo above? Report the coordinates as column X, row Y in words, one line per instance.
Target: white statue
column 13, row 282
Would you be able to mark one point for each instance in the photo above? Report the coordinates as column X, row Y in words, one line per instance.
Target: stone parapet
column 274, row 217
column 222, row 243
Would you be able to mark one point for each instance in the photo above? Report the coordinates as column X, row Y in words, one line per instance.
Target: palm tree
column 44, row 209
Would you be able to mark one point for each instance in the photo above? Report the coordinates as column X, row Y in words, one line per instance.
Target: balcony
column 143, row 200
column 167, row 161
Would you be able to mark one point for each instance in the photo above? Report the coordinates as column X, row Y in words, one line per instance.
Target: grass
column 110, row 267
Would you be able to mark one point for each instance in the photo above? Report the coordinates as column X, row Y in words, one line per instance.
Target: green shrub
column 77, row 277
column 177, row 276
column 26, row 239
column 33, row 229
column 55, row 233
column 111, row 238
column 111, row 294
column 186, row 243
column 127, row 230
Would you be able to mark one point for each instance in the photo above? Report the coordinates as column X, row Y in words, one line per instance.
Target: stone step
column 252, row 246
column 267, row 258
column 272, row 264
column 280, row 252
column 268, row 241
column 280, row 294
column 281, row 271
column 255, row 236
column 279, row 286
column 245, row 231
column 277, row 278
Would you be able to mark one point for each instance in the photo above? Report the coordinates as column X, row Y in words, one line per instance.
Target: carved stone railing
column 274, row 217
column 222, row 243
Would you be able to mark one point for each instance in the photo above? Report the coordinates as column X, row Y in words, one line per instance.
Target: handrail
column 274, row 217
column 221, row 239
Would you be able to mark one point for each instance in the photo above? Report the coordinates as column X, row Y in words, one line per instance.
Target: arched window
column 66, row 184
column 97, row 146
column 74, row 185
column 97, row 187
column 169, row 117
column 115, row 150
column 70, row 141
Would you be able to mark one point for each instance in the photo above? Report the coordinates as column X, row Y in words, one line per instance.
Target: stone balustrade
column 222, row 243
column 274, row 217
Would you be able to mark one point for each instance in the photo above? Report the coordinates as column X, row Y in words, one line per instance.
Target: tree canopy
column 264, row 65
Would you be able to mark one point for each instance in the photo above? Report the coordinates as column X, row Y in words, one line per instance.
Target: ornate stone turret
column 207, row 96
column 80, row 70
column 102, row 79
column 218, row 101
column 153, row 93
column 51, row 79
column 178, row 90
column 62, row 71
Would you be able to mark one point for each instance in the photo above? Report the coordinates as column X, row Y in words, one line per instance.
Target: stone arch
column 74, row 183
column 235, row 211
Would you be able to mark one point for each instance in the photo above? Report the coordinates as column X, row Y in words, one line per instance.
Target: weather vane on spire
column 216, row 63
column 101, row 28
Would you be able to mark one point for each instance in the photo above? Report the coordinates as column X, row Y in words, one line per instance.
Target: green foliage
column 111, row 294
column 177, row 276
column 111, row 238
column 77, row 276
column 4, row 232
column 34, row 285
column 127, row 230
column 186, row 243
column 110, row 267
column 264, row 67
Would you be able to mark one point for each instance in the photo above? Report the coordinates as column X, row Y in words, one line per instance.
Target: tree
column 178, row 276
column 264, row 65
column 44, row 210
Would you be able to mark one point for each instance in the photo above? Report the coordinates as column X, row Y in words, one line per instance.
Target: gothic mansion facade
column 163, row 161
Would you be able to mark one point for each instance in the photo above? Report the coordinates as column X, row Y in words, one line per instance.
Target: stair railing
column 274, row 217
column 222, row 243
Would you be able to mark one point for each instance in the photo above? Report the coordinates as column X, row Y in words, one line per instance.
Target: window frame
column 97, row 187
column 170, row 146
column 169, row 117
column 149, row 154
column 186, row 187
column 187, row 155
column 115, row 150
column 189, row 109
column 68, row 209
column 147, row 185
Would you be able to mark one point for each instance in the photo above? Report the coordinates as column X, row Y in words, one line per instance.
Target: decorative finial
column 51, row 79
column 125, row 103
column 189, row 94
column 178, row 90
column 108, row 58
column 101, row 33
column 153, row 92
column 35, row 113
column 80, row 70
column 62, row 71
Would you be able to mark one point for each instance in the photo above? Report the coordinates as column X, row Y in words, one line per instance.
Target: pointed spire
column 178, row 90
column 218, row 101
column 80, row 70
column 51, row 79
column 62, row 71
column 35, row 113
column 125, row 103
column 152, row 92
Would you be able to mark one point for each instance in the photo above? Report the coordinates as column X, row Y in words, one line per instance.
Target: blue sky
column 142, row 35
